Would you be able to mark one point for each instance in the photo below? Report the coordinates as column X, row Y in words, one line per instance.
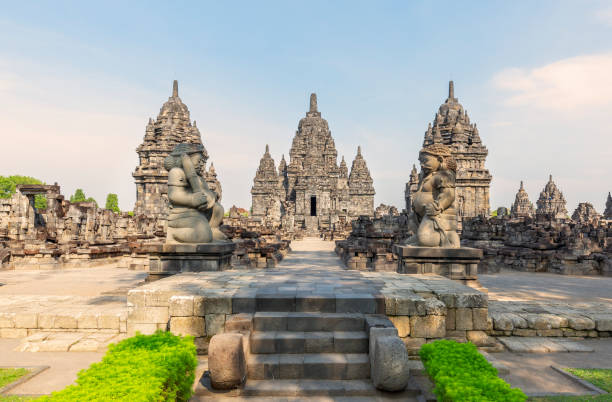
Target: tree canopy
column 8, row 186
column 112, row 203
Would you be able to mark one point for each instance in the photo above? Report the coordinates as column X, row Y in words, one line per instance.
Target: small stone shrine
column 312, row 193
column 522, row 206
column 551, row 202
column 434, row 246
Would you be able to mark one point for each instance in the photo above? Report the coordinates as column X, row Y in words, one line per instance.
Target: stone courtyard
column 307, row 292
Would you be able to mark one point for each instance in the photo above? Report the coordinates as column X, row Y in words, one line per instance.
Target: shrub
column 460, row 373
column 158, row 367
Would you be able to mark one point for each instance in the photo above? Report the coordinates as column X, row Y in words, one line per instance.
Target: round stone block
column 390, row 364
column 226, row 361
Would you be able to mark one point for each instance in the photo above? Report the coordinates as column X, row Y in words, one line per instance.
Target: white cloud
column 572, row 84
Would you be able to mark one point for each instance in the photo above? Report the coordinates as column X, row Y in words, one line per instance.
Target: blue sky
column 79, row 81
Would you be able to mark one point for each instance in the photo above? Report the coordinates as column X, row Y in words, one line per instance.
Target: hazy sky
column 78, row 83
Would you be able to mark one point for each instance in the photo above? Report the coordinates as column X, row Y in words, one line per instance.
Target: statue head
column 436, row 157
column 196, row 152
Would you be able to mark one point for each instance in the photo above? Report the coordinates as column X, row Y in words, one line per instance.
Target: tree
column 112, row 203
column 79, row 196
column 8, row 186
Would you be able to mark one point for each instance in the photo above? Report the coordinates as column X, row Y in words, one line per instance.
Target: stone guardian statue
column 195, row 214
column 433, row 218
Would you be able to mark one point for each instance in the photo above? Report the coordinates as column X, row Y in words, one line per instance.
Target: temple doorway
column 313, row 206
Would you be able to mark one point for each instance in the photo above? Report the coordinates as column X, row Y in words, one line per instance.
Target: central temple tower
column 313, row 192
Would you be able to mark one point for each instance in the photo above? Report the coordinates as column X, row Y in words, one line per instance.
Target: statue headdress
column 441, row 151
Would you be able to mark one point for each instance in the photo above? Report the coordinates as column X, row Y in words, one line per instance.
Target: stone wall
column 541, row 245
column 67, row 234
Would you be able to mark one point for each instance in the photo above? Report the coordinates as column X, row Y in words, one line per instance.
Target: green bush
column 158, row 367
column 112, row 203
column 460, row 373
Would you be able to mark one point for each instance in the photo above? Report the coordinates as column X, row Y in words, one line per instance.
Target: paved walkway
column 547, row 287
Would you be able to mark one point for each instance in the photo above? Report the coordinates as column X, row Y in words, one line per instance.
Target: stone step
column 313, row 388
column 308, row 322
column 363, row 300
column 309, row 342
column 323, row 366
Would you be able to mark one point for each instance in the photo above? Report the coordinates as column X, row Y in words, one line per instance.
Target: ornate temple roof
column 551, row 201
column 360, row 177
column 608, row 211
column 522, row 206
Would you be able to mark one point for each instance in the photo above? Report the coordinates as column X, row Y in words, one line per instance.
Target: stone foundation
column 171, row 259
column 460, row 264
column 422, row 307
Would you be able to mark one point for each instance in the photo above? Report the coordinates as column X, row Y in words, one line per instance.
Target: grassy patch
column 9, row 375
column 601, row 378
column 15, row 398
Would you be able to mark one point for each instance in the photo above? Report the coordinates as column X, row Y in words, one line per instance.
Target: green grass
column 601, row 378
column 9, row 375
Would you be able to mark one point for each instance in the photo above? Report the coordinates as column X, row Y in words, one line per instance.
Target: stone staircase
column 309, row 355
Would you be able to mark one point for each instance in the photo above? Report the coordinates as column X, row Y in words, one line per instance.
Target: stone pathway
column 41, row 305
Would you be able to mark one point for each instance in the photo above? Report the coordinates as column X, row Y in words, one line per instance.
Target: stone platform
column 460, row 264
column 422, row 307
column 170, row 259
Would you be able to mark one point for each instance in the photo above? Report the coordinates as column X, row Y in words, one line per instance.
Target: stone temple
column 551, row 202
column 172, row 126
column 522, row 206
column 312, row 191
column 452, row 127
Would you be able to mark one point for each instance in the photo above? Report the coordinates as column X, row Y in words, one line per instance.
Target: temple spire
column 359, row 150
column 313, row 103
column 267, row 149
column 175, row 89
column 451, row 90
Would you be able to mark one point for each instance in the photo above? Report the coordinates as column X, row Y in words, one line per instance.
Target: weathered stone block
column 65, row 322
column 194, row 326
column 106, row 321
column 212, row 304
column 429, row 326
column 550, row 332
column 413, row 345
column 226, row 361
column 87, row 321
column 215, row 324
column 26, row 320
column 7, row 320
column 13, row 332
column 480, row 338
column 450, row 319
column 389, row 367
column 150, row 315
column 402, row 323
column 239, row 322
column 181, row 306
column 464, row 319
column 580, row 323
column 480, row 319
column 524, row 332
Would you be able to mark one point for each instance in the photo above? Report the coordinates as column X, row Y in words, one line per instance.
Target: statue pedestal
column 170, row 259
column 460, row 264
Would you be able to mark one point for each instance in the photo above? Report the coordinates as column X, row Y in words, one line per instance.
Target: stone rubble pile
column 66, row 234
